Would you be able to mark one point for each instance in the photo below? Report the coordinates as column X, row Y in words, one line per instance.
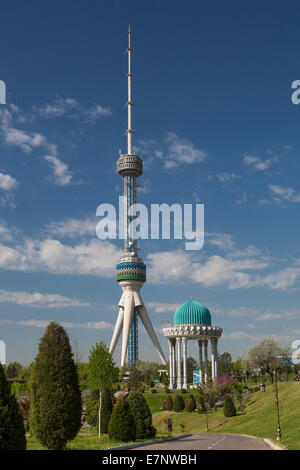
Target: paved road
column 210, row 442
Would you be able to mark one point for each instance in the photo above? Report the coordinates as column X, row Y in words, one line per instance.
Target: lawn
column 259, row 420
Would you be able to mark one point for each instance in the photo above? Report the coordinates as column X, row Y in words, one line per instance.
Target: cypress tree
column 142, row 416
column 178, row 404
column 55, row 412
column 121, row 425
column 12, row 432
column 169, row 403
column 229, row 407
column 190, row 404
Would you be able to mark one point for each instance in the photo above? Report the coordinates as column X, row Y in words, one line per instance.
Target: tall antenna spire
column 129, row 103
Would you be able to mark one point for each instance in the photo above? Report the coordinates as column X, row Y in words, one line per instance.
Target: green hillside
column 259, row 420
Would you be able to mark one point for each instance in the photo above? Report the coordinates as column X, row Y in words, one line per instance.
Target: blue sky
column 214, row 124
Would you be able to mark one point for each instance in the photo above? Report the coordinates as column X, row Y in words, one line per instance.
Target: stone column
column 184, row 347
column 174, row 361
column 216, row 358
column 171, row 380
column 179, row 376
column 205, row 361
column 212, row 347
column 200, row 362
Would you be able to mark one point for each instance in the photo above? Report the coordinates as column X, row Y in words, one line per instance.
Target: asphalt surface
column 210, row 442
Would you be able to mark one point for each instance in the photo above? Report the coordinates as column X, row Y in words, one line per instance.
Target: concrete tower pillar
column 200, row 361
column 179, row 375
column 216, row 358
column 205, row 361
column 212, row 346
column 174, row 362
column 184, row 347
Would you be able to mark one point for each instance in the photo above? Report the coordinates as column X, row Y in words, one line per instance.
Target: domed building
column 192, row 321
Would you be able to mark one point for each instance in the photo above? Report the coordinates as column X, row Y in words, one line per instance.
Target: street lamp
column 278, row 437
column 262, row 386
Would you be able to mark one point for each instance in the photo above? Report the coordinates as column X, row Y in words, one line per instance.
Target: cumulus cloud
column 38, row 299
column 181, row 151
column 100, row 325
column 72, row 228
column 280, row 195
column 162, row 307
column 72, row 109
column 7, row 182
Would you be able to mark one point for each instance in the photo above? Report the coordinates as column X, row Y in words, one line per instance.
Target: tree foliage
column 190, row 404
column 12, row 432
column 121, row 425
column 13, row 369
column 169, row 402
column 136, row 378
column 178, row 404
column 265, row 356
column 55, row 411
column 229, row 407
column 142, row 416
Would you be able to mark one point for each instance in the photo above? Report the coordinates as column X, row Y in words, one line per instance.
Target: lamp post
column 278, row 436
column 262, row 386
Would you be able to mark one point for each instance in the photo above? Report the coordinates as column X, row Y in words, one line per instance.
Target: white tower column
column 171, row 379
column 200, row 362
column 216, row 358
column 184, row 352
column 179, row 375
column 205, row 361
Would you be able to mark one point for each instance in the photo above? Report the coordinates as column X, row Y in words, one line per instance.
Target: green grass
column 259, row 420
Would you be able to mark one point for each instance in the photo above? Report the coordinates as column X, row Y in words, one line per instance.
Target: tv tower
column 131, row 271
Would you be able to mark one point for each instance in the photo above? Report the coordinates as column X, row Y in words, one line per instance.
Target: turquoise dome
column 192, row 312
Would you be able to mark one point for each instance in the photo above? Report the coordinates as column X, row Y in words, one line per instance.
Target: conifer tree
column 169, row 403
column 55, row 412
column 229, row 407
column 178, row 404
column 121, row 425
column 12, row 432
column 142, row 416
column 190, row 404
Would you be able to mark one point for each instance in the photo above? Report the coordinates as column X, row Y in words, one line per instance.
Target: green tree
column 191, row 365
column 135, row 380
column 55, row 411
column 142, row 416
column 178, row 404
column 229, row 407
column 13, row 369
column 190, row 404
column 169, row 402
column 225, row 363
column 102, row 372
column 265, row 356
column 121, row 425
column 12, row 432
column 82, row 370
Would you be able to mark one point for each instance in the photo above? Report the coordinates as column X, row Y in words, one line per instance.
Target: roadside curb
column 146, row 443
column 272, row 445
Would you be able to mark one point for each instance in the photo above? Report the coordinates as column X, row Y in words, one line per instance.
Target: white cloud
column 70, row 108
column 182, row 151
column 227, row 178
column 93, row 258
column 72, row 227
column 61, row 172
column 38, row 299
column 7, row 182
column 257, row 164
column 100, row 325
column 162, row 307
column 280, row 195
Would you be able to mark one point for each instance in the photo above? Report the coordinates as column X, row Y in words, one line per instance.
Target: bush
column 142, row 416
column 229, row 408
column 190, row 404
column 153, row 390
column 178, row 404
column 55, row 411
column 121, row 425
column 169, row 403
column 167, row 390
column 183, row 390
column 12, row 432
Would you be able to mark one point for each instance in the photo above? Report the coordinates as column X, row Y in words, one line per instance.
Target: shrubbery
column 169, row 403
column 121, row 425
column 190, row 404
column 178, row 404
column 229, row 408
column 142, row 416
column 12, row 432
